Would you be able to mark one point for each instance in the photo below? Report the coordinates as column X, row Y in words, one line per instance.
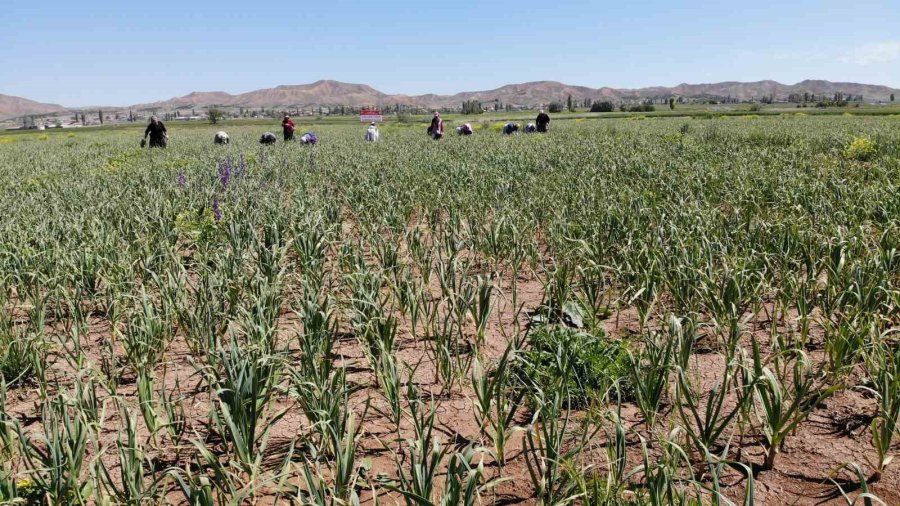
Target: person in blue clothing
column 510, row 128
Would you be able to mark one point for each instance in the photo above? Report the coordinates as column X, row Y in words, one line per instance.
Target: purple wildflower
column 242, row 167
column 225, row 173
column 182, row 181
column 217, row 211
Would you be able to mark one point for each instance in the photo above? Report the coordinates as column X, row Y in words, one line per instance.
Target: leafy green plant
column 860, row 149
column 587, row 364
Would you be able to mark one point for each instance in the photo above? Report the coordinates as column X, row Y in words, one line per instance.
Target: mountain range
column 11, row 107
column 331, row 93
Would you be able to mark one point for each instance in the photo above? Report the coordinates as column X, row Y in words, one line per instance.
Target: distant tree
column 892, row 97
column 472, row 107
column 83, row 119
column 604, row 106
column 555, row 107
column 131, row 116
column 214, row 114
column 672, row 103
column 100, row 113
column 570, row 104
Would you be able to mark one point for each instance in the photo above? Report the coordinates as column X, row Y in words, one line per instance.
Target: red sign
column 369, row 115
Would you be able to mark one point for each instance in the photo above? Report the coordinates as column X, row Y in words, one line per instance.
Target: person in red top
column 287, row 124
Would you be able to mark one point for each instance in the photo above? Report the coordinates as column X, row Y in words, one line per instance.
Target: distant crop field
column 640, row 310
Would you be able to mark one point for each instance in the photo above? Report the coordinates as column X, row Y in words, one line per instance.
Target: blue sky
column 80, row 53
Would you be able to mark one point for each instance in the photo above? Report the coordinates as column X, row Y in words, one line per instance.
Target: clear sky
column 121, row 52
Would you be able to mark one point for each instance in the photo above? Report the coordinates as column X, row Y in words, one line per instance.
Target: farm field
column 628, row 311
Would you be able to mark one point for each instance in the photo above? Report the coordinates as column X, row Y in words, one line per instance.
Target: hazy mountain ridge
column 11, row 107
column 330, row 93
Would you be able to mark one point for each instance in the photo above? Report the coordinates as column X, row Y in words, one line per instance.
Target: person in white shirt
column 372, row 133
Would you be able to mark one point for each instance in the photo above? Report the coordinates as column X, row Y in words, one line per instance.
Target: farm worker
column 287, row 124
column 309, row 138
column 372, row 132
column 157, row 132
column 464, row 129
column 268, row 138
column 221, row 138
column 530, row 128
column 436, row 129
column 510, row 128
column 543, row 122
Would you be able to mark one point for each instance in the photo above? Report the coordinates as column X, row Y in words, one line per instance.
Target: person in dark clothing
column 268, row 138
column 157, row 132
column 436, row 129
column 287, row 124
column 543, row 122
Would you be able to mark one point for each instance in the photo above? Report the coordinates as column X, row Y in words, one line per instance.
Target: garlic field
column 622, row 311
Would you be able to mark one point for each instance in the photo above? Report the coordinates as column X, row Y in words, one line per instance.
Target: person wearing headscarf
column 372, row 132
column 543, row 122
column 287, row 125
column 465, row 129
column 159, row 138
column 436, row 129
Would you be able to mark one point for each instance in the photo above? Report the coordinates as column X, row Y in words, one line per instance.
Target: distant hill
column 329, row 93
column 333, row 93
column 11, row 107
column 317, row 93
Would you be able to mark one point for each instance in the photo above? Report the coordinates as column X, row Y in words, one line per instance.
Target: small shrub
column 198, row 226
column 860, row 149
column 594, row 363
column 605, row 106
